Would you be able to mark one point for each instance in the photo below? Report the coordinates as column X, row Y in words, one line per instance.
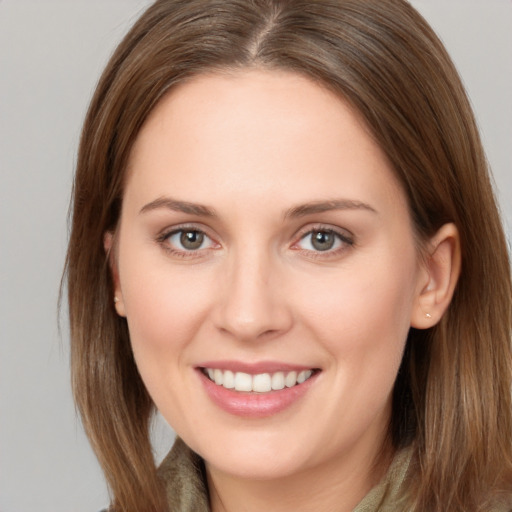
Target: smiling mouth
column 258, row 383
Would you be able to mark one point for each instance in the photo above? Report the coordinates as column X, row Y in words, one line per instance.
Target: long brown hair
column 452, row 397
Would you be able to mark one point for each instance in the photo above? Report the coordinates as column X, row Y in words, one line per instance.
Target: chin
column 256, row 455
column 256, row 466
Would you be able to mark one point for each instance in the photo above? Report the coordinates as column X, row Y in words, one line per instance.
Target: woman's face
column 264, row 240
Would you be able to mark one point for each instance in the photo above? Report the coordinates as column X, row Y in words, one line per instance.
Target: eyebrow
column 178, row 206
column 325, row 206
column 301, row 210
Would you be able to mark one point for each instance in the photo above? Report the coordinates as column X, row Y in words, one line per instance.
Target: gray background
column 51, row 54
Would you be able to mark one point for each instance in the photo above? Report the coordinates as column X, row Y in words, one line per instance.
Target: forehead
column 257, row 132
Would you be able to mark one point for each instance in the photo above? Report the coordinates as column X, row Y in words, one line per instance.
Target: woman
column 285, row 239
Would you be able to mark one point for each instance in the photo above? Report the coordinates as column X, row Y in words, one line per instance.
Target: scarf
column 183, row 472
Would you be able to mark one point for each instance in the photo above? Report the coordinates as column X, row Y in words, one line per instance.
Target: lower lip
column 255, row 405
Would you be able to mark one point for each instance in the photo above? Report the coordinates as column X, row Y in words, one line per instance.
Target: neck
column 336, row 486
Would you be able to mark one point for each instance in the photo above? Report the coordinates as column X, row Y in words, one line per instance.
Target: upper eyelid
column 175, row 251
column 342, row 232
column 166, row 232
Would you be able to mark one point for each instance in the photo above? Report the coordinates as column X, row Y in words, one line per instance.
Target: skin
column 252, row 146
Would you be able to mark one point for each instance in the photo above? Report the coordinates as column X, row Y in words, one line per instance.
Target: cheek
column 164, row 308
column 362, row 317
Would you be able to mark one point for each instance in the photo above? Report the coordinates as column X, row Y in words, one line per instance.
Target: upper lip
column 254, row 368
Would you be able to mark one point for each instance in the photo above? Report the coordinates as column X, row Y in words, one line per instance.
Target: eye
column 323, row 240
column 187, row 240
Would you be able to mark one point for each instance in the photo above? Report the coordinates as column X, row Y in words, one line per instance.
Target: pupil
column 191, row 240
column 322, row 240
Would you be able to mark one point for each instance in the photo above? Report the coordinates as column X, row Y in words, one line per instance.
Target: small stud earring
column 428, row 315
column 116, row 300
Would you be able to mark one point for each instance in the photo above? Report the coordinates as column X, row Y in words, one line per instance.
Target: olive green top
column 183, row 473
column 185, row 481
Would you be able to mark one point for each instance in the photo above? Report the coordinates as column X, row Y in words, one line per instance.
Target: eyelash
column 163, row 240
column 345, row 240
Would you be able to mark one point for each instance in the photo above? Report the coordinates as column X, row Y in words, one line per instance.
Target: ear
column 109, row 246
column 439, row 277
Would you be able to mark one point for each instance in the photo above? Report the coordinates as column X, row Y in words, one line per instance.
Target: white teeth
column 243, row 381
column 218, row 377
column 303, row 376
column 290, row 379
column 229, row 380
column 278, row 381
column 262, row 383
column 259, row 383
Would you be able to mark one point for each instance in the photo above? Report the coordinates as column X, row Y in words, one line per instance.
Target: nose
column 253, row 304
